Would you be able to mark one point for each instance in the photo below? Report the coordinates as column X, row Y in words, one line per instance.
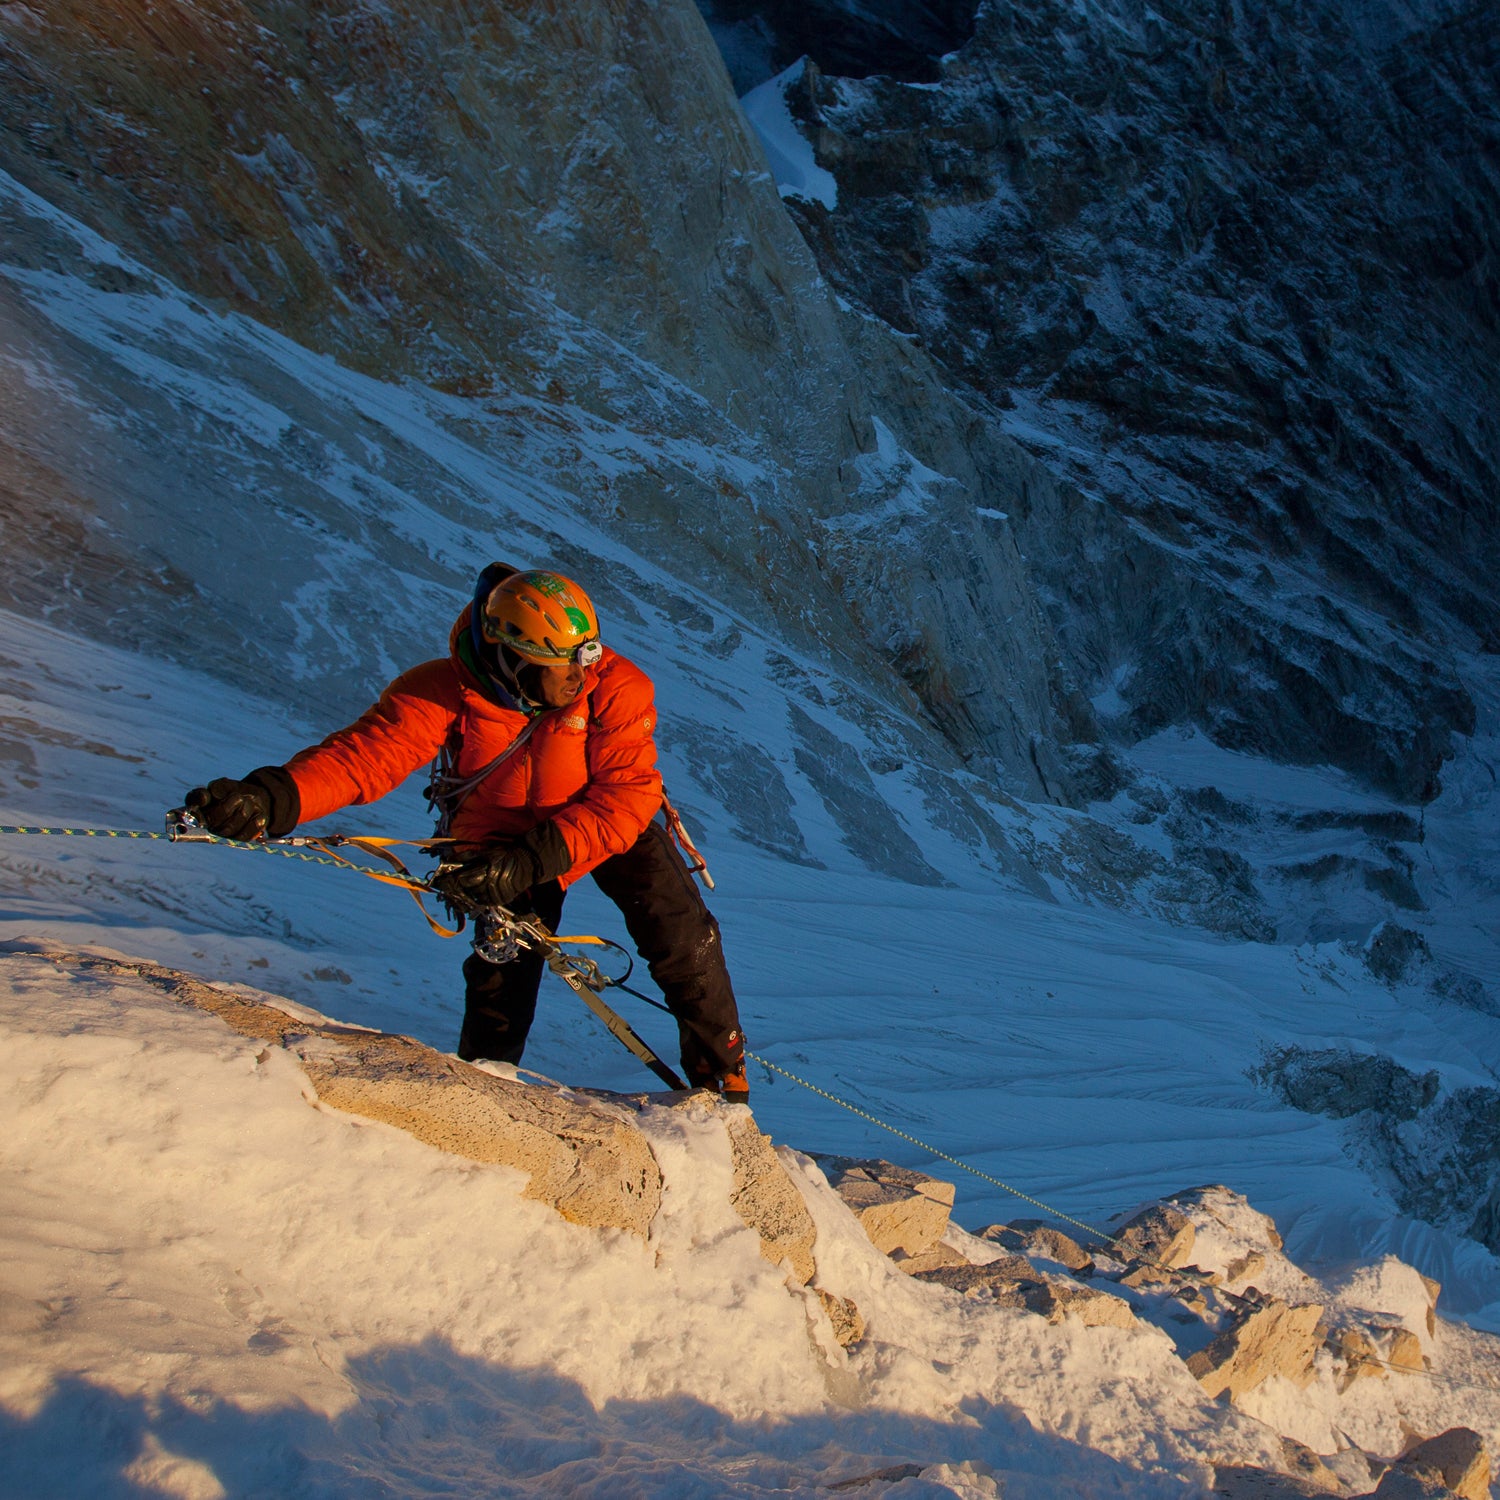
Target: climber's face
column 557, row 684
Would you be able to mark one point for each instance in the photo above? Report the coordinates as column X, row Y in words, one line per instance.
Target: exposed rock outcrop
column 1108, row 142
column 899, row 1209
column 765, row 1198
column 1456, row 1461
column 1160, row 1235
column 844, row 1317
column 582, row 1159
column 1266, row 1340
column 1339, row 1082
column 1033, row 1237
column 1271, row 1338
column 1014, row 1282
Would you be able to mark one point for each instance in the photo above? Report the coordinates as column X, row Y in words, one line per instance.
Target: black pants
column 673, row 931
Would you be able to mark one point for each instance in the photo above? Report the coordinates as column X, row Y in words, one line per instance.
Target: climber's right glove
column 265, row 804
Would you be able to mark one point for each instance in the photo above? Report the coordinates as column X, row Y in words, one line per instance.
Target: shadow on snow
column 431, row 1421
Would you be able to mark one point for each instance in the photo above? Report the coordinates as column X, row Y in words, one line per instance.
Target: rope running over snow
column 864, row 1114
column 201, row 838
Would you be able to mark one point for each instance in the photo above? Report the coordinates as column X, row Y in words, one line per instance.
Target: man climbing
column 549, row 774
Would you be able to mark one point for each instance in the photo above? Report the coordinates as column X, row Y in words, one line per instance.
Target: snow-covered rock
column 1267, row 1339
column 191, row 1236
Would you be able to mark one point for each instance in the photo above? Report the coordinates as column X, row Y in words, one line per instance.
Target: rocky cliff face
column 1141, row 376
column 561, row 219
column 1238, row 265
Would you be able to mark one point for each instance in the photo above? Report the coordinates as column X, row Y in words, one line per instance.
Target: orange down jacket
column 589, row 767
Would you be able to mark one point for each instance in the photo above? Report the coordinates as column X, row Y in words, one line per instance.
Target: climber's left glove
column 499, row 875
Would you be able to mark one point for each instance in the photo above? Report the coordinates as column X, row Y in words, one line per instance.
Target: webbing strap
column 619, row 1027
column 380, row 849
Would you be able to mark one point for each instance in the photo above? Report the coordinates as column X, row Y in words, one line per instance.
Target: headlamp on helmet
column 543, row 617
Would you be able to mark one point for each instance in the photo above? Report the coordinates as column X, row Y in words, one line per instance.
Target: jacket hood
column 473, row 670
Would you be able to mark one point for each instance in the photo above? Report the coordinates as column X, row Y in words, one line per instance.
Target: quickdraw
column 500, row 935
column 184, row 828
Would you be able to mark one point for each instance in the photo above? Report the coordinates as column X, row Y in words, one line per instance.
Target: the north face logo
column 575, row 721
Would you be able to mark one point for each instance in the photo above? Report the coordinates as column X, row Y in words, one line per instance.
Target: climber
column 548, row 773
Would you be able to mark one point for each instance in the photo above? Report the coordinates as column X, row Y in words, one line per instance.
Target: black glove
column 265, row 804
column 504, row 871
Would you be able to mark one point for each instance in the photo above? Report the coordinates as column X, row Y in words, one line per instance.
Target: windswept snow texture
column 213, row 1289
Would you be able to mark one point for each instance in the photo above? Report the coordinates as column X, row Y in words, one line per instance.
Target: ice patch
column 788, row 151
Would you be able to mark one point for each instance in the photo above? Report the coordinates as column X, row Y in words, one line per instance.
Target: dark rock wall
column 1243, row 258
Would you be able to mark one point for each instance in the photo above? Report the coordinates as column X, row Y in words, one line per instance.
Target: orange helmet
column 545, row 617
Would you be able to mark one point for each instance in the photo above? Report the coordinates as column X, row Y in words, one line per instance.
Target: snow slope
column 212, row 1289
column 1089, row 1058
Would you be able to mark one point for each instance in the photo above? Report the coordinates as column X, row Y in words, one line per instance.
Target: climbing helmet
column 544, row 617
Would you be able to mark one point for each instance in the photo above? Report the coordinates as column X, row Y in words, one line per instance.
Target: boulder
column 844, row 1314
column 1406, row 1351
column 1033, row 1237
column 1434, row 1291
column 1396, row 1484
column 1455, row 1459
column 969, row 1279
column 1139, row 1277
column 1251, row 1264
column 1161, row 1235
column 1055, row 1300
column 1308, row 1468
column 1357, row 1351
column 1269, row 1338
column 899, row 1209
column 930, row 1260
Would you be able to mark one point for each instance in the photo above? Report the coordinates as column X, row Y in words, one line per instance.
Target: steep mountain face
column 307, row 312
column 560, row 218
column 1238, row 264
column 1141, row 377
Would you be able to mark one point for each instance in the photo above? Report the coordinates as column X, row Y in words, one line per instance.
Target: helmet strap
column 520, row 677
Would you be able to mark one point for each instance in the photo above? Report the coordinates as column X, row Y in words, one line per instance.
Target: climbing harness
column 447, row 791
column 500, row 935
